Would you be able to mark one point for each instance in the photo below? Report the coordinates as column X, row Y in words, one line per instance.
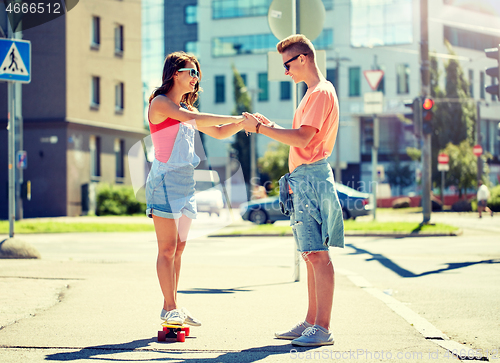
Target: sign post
column 15, row 57
column 374, row 104
column 443, row 166
column 287, row 17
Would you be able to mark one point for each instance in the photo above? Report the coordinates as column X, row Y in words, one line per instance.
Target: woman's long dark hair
column 173, row 63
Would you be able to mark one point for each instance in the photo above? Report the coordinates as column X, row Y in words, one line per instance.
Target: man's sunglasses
column 192, row 72
column 291, row 60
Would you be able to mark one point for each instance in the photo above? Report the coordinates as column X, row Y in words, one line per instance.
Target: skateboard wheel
column 187, row 330
column 181, row 336
column 162, row 336
column 165, row 329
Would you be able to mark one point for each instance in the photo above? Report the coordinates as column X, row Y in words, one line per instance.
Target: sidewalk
column 95, row 297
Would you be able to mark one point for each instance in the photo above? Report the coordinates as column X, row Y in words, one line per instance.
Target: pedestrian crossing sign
column 15, row 56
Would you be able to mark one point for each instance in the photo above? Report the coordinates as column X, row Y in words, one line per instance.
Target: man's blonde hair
column 296, row 43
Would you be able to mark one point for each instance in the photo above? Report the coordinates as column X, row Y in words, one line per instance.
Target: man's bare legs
column 320, row 287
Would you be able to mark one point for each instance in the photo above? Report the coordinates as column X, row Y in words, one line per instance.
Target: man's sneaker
column 314, row 336
column 190, row 320
column 293, row 333
column 174, row 317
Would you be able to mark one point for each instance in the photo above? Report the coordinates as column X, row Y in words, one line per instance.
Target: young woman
column 173, row 121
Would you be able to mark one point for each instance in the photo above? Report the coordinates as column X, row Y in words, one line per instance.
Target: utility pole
column 478, row 141
column 425, row 91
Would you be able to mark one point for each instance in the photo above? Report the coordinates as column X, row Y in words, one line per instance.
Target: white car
column 210, row 200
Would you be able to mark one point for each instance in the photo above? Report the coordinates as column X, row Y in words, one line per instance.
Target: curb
column 350, row 234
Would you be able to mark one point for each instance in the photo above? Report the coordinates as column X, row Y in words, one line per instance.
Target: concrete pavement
column 95, row 297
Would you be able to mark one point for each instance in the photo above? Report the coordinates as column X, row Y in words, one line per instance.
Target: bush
column 494, row 202
column 401, row 203
column 117, row 200
column 462, row 206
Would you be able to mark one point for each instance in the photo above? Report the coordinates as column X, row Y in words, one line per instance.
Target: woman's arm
column 163, row 107
column 223, row 131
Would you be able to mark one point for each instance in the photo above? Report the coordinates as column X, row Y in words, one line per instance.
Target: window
column 191, row 14
column 263, row 87
column 192, row 47
column 244, row 78
column 330, row 76
column 354, row 81
column 95, row 156
column 118, row 39
column 403, row 78
column 95, row 36
column 119, row 148
column 471, row 40
column 482, row 85
column 259, row 43
column 95, row 92
column 244, row 44
column 381, row 23
column 220, row 89
column 119, row 97
column 234, row 9
column 471, row 82
column 285, row 91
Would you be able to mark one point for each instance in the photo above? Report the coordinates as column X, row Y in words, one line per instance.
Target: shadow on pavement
column 230, row 290
column 141, row 346
column 388, row 263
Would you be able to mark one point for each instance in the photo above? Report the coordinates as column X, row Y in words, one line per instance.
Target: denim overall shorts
column 170, row 186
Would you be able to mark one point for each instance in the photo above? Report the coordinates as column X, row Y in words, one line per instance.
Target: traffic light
column 417, row 119
column 493, row 71
column 427, row 115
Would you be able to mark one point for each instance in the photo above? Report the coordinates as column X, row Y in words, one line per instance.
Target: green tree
column 243, row 103
column 454, row 112
column 463, row 167
column 275, row 163
column 399, row 175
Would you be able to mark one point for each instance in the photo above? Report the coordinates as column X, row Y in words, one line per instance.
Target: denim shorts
column 306, row 229
column 170, row 191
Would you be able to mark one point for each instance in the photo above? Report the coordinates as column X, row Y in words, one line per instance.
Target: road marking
column 423, row 326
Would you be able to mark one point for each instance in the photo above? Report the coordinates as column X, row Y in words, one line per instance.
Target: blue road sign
column 15, row 58
column 22, row 159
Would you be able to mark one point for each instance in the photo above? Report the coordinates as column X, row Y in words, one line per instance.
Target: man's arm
column 294, row 137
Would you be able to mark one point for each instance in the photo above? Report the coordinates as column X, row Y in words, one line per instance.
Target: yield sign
column 374, row 77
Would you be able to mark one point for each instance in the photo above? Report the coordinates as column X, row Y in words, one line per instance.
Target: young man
column 308, row 192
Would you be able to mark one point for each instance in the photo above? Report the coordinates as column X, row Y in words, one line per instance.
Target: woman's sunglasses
column 192, row 72
column 291, row 60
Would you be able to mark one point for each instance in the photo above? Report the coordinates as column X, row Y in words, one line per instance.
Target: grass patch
column 25, row 227
column 353, row 226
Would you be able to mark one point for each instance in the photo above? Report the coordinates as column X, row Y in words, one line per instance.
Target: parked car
column 209, row 200
column 267, row 210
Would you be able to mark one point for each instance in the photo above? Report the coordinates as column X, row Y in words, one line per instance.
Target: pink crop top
column 163, row 136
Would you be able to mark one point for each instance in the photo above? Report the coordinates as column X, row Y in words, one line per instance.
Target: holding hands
column 252, row 122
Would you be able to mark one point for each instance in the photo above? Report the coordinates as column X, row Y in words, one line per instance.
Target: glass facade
column 153, row 48
column 259, row 44
column 242, row 8
column 489, row 7
column 381, row 22
column 471, row 40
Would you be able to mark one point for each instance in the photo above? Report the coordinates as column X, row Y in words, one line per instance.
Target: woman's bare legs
column 171, row 235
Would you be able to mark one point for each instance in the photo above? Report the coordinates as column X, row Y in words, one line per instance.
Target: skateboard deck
column 170, row 331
